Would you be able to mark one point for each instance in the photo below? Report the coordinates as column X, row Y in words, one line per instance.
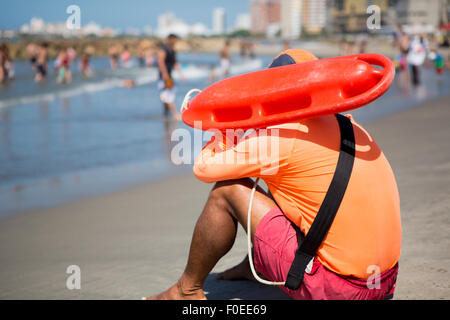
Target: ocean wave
column 139, row 76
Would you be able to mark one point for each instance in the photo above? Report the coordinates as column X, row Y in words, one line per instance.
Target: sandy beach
column 135, row 242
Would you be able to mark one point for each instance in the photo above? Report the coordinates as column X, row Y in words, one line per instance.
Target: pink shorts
column 274, row 248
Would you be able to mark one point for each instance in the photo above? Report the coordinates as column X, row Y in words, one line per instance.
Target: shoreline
column 98, row 47
column 134, row 242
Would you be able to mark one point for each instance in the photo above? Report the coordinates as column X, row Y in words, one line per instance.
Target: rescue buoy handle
column 385, row 75
column 186, row 99
column 388, row 70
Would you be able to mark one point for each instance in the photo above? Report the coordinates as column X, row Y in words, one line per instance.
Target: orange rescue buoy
column 291, row 93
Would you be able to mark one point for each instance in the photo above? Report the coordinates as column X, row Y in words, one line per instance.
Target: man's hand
column 178, row 68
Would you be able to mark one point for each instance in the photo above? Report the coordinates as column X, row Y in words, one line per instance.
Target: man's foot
column 241, row 271
column 176, row 292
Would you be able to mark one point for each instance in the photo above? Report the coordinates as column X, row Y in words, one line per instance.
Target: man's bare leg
column 171, row 106
column 241, row 271
column 215, row 232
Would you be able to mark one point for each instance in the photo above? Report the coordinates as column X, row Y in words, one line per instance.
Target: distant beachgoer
column 167, row 61
column 251, row 50
column 32, row 51
column 129, row 83
column 6, row 64
column 438, row 60
column 343, row 47
column 71, row 54
column 225, row 61
column 400, row 62
column 351, row 47
column 150, row 59
column 415, row 58
column 125, row 57
column 242, row 49
column 401, row 42
column 3, row 71
column 212, row 73
column 41, row 63
column 286, row 44
column 141, row 56
column 362, row 46
column 64, row 74
column 113, row 53
column 84, row 64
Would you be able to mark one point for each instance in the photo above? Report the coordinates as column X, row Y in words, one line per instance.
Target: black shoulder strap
column 330, row 205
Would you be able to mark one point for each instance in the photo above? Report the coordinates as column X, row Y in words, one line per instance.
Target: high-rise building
column 351, row 15
column 168, row 23
column 243, row 22
column 291, row 18
column 314, row 15
column 263, row 14
column 219, row 25
column 417, row 15
column 37, row 25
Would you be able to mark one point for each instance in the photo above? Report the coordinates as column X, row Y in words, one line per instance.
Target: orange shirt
column 366, row 231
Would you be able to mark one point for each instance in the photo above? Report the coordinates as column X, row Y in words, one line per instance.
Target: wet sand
column 134, row 243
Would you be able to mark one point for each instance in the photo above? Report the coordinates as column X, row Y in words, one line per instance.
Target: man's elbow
column 201, row 175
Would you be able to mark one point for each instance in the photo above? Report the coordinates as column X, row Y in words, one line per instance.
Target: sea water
column 59, row 143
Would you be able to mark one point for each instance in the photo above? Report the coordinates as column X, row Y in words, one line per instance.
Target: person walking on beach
column 416, row 57
column 225, row 62
column 358, row 257
column 401, row 40
column 167, row 61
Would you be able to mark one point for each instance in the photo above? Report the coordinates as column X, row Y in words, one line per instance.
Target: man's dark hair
column 172, row 36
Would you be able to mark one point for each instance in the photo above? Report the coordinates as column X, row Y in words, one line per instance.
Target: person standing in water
column 113, row 54
column 63, row 68
column 167, row 61
column 125, row 57
column 32, row 54
column 84, row 64
column 6, row 64
column 41, row 63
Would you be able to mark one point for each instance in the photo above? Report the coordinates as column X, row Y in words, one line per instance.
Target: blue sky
column 119, row 14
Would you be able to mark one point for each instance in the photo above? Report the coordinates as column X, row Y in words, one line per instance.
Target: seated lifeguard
column 327, row 171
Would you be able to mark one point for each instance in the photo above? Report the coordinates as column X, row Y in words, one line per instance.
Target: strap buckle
column 309, row 266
